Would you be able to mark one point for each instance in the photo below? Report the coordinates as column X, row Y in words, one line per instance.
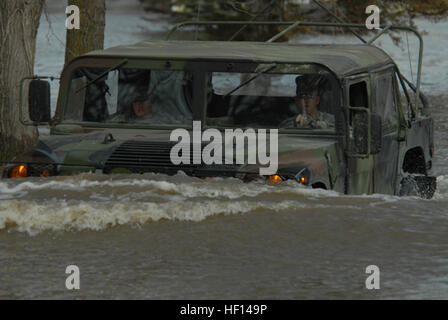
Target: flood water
column 176, row 237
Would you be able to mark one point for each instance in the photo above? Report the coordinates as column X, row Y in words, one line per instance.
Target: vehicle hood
column 139, row 147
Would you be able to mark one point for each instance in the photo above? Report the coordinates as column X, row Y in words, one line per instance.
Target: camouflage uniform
column 323, row 120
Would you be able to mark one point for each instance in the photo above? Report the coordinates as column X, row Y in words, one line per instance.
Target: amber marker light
column 303, row 180
column 19, row 171
column 275, row 178
column 45, row 173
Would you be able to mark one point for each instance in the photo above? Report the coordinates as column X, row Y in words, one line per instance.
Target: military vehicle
column 117, row 107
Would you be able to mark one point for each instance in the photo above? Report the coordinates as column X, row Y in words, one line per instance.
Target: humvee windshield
column 279, row 96
column 141, row 96
column 272, row 100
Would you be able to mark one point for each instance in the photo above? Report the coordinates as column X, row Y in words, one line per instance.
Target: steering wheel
column 287, row 122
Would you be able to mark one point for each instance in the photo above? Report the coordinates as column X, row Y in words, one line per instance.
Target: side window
column 358, row 95
column 385, row 100
column 359, row 98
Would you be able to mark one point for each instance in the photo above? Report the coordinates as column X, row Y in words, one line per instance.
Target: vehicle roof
column 341, row 59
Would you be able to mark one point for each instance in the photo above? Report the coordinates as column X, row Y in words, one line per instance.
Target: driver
column 308, row 91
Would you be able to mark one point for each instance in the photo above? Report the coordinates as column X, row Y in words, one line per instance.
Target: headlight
column 45, row 173
column 19, row 171
column 29, row 170
column 300, row 174
column 36, row 163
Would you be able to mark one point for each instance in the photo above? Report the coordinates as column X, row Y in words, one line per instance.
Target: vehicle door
column 385, row 104
column 359, row 167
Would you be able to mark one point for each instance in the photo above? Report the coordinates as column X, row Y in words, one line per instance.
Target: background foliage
column 401, row 12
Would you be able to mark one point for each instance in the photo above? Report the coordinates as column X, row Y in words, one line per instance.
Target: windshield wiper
column 264, row 69
column 120, row 64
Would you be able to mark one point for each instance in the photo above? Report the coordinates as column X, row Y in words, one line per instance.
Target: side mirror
column 361, row 133
column 39, row 101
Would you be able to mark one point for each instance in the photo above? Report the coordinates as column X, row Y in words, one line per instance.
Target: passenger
column 141, row 108
column 309, row 89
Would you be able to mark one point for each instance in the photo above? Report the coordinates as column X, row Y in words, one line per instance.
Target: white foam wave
column 100, row 188
column 442, row 188
column 114, row 189
column 56, row 215
column 108, row 202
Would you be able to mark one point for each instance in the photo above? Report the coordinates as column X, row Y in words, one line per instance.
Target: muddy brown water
column 159, row 237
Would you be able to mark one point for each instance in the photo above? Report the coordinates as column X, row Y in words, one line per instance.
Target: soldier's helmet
column 310, row 84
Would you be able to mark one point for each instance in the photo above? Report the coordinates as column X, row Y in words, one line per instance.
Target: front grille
column 154, row 156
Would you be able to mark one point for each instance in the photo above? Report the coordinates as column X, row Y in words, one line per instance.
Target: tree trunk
column 90, row 35
column 19, row 21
